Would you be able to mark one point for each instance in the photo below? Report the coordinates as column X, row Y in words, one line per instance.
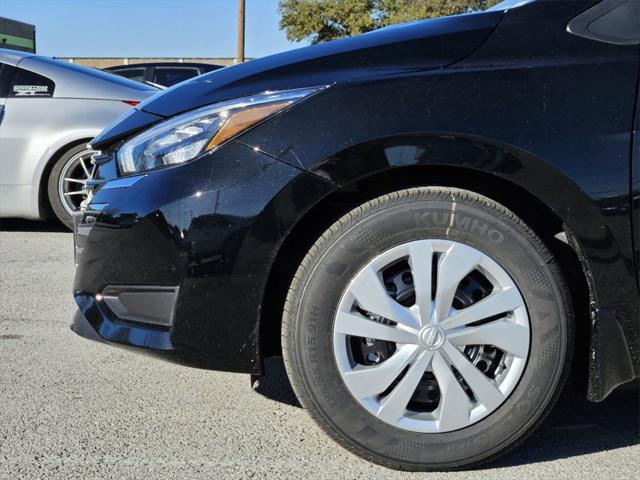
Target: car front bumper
column 175, row 263
column 94, row 320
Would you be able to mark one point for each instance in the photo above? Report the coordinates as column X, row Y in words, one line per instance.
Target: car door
column 4, row 87
column 24, row 138
column 635, row 189
column 6, row 75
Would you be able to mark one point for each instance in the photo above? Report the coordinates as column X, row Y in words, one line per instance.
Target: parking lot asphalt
column 71, row 408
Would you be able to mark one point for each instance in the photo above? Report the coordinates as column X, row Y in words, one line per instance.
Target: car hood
column 418, row 45
column 415, row 46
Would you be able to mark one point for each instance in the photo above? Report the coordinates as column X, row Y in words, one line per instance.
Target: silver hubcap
column 71, row 181
column 448, row 349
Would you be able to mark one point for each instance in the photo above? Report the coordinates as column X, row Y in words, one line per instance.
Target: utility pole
column 240, row 53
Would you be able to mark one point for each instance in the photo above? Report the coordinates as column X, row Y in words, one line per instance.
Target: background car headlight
column 189, row 135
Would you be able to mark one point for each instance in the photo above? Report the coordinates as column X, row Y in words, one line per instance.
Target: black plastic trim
column 610, row 21
column 153, row 305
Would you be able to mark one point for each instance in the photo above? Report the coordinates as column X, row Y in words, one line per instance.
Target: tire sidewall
column 52, row 185
column 351, row 246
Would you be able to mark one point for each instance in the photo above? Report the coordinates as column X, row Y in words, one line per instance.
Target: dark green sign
column 17, row 35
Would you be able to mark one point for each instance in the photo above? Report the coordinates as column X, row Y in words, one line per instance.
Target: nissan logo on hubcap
column 432, row 337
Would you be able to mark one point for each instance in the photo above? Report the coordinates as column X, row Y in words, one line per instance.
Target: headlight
column 191, row 134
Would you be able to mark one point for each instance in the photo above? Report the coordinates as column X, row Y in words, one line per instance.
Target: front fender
column 60, row 145
column 596, row 246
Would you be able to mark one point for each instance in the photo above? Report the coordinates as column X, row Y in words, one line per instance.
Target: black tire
column 383, row 223
column 52, row 185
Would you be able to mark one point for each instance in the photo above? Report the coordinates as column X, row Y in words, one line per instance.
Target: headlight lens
column 189, row 135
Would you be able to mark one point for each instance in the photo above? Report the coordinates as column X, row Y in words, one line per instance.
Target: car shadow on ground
column 275, row 384
column 575, row 426
column 20, row 225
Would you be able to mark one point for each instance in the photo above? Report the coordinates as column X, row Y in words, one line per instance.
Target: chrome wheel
column 72, row 178
column 431, row 336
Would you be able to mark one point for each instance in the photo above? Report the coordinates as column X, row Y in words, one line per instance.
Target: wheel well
column 43, row 198
column 538, row 216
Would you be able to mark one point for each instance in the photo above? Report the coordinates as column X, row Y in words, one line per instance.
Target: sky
column 149, row 28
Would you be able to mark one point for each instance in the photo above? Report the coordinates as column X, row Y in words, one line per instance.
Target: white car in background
column 49, row 111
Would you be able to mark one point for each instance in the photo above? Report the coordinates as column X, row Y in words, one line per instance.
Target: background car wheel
column 66, row 181
column 428, row 329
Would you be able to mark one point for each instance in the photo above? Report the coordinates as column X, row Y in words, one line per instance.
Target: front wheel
column 66, row 182
column 428, row 329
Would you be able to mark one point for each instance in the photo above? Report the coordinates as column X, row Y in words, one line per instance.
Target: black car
column 435, row 224
column 162, row 73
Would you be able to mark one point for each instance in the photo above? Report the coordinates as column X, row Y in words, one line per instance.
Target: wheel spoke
column 364, row 382
column 454, row 402
column 359, row 326
column 439, row 333
column 420, row 261
column 453, row 266
column 373, row 297
column 505, row 335
column 394, row 406
column 84, row 167
column 503, row 301
column 483, row 388
column 74, row 180
column 77, row 192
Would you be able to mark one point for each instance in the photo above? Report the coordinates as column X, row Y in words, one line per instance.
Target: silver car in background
column 49, row 110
